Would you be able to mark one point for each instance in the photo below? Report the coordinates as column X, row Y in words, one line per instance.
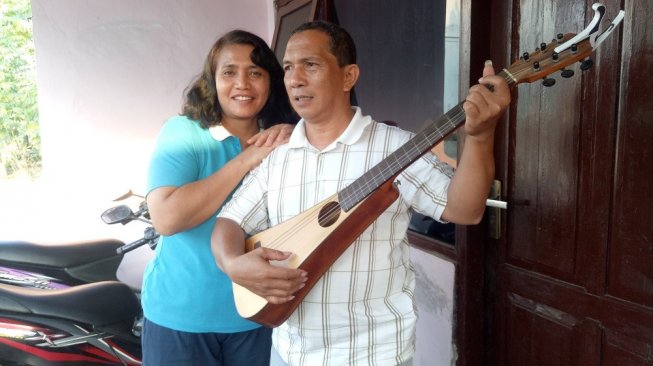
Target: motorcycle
column 63, row 304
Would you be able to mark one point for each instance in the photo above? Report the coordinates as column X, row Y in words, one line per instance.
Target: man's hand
column 485, row 103
column 469, row 187
column 274, row 283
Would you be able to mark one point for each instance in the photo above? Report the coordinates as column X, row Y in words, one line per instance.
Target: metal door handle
column 496, row 204
column 494, row 210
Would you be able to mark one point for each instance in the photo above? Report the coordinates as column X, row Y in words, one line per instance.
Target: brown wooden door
column 570, row 282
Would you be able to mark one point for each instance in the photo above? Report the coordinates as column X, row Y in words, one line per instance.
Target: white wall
column 434, row 294
column 109, row 73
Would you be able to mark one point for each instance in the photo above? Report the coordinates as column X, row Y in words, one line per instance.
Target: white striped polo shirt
column 361, row 311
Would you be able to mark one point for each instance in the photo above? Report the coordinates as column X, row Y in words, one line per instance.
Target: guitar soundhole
column 329, row 214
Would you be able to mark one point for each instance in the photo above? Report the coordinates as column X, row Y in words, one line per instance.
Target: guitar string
column 332, row 213
column 420, row 147
column 440, row 131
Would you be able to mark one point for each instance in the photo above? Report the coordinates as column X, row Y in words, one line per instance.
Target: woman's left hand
column 273, row 136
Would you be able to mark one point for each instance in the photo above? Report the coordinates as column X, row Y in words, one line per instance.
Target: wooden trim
column 285, row 7
column 469, row 288
column 281, row 3
column 431, row 245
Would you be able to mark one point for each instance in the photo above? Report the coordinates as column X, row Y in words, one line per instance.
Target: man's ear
column 351, row 76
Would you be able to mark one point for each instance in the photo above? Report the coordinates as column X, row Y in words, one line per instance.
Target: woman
column 200, row 158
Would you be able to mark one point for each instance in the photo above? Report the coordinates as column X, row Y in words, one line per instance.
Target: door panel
column 542, row 222
column 571, row 281
column 631, row 240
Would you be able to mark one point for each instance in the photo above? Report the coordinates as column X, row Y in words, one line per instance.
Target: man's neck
column 321, row 134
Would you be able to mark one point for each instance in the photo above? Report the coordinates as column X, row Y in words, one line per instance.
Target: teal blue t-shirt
column 183, row 288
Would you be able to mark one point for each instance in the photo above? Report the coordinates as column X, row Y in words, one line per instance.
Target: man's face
column 314, row 81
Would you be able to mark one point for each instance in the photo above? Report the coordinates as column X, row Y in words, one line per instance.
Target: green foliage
column 20, row 140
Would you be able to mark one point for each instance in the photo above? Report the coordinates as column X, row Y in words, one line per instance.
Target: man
column 361, row 311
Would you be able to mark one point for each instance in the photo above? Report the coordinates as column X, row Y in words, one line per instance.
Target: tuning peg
column 587, row 64
column 566, row 73
column 542, row 46
column 548, row 82
column 555, row 56
column 559, row 37
column 574, row 48
column 525, row 56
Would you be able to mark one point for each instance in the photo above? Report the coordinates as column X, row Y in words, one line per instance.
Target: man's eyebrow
column 310, row 58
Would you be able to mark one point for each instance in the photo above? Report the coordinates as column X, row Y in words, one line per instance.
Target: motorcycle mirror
column 127, row 195
column 119, row 214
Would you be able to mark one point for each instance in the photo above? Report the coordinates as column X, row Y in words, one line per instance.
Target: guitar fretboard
column 400, row 159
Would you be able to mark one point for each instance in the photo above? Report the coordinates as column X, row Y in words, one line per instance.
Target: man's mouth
column 302, row 98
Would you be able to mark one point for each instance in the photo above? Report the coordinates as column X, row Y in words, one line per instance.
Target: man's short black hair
column 342, row 45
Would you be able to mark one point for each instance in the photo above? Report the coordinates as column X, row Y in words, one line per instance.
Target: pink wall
column 109, row 73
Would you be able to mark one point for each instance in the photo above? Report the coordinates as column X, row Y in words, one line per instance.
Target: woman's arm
column 176, row 209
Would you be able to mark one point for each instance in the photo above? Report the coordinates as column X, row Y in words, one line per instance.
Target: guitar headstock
column 545, row 61
column 563, row 51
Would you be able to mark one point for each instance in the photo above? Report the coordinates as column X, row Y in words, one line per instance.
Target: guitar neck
column 408, row 153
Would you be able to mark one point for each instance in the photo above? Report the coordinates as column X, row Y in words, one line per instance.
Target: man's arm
column 253, row 270
column 470, row 184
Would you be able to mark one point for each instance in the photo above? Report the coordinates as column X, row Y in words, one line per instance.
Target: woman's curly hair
column 201, row 97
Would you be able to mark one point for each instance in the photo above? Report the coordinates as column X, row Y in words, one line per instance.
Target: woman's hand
column 273, row 136
column 252, row 156
column 263, row 143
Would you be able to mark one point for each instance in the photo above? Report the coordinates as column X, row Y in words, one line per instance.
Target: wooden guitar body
column 315, row 248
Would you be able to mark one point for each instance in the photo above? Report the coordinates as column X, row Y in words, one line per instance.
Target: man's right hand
column 253, row 271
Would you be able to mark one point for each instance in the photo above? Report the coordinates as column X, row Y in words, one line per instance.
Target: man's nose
column 294, row 79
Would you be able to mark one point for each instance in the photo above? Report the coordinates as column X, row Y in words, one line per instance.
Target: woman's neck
column 243, row 129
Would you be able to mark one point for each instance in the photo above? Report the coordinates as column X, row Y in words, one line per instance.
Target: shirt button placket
column 318, row 177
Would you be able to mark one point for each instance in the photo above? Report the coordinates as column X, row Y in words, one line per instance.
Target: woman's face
column 243, row 87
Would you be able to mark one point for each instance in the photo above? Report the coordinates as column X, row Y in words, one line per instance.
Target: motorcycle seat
column 58, row 255
column 99, row 304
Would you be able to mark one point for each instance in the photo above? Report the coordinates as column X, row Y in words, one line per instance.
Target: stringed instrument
column 318, row 236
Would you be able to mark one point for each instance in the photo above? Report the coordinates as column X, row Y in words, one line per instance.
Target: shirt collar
column 220, row 133
column 352, row 134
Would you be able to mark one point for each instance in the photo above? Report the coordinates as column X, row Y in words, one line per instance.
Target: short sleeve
column 424, row 185
column 248, row 205
column 174, row 161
